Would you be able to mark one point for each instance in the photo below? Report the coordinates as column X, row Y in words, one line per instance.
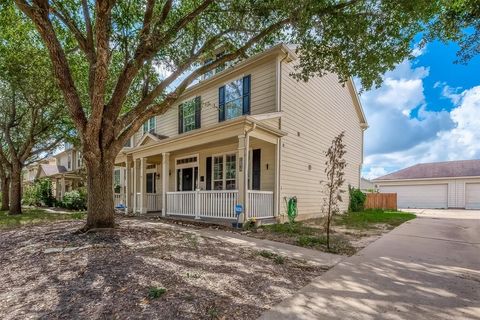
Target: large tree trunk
column 100, row 194
column 16, row 190
column 5, row 206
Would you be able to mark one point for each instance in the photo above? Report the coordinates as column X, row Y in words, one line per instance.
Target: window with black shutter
column 189, row 115
column 234, row 99
column 256, row 168
column 208, row 179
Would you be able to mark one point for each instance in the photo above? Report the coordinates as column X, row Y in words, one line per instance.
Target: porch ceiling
column 224, row 133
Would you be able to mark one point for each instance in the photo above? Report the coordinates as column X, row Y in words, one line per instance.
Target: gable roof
column 447, row 169
column 51, row 169
column 150, row 136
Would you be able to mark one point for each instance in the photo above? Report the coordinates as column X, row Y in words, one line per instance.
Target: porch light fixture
column 267, row 166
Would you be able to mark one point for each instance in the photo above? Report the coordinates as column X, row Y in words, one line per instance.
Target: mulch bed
column 48, row 272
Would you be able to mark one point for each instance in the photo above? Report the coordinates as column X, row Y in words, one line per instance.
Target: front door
column 187, row 179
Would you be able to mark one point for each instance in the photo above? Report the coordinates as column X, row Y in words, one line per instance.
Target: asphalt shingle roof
column 448, row 169
column 50, row 169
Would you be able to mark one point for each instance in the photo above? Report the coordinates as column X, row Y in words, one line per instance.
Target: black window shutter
column 256, row 168
column 209, row 174
column 198, row 112
column 246, row 94
column 180, row 118
column 221, row 104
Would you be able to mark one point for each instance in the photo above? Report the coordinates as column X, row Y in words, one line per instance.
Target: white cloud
column 461, row 141
column 389, row 108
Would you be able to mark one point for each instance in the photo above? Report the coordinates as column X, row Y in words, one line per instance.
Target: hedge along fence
column 386, row 201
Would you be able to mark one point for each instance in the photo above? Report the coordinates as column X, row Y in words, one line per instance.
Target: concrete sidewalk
column 296, row 252
column 428, row 268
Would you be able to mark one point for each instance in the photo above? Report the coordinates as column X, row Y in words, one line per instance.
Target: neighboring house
column 63, row 169
column 250, row 135
column 67, row 176
column 366, row 185
column 30, row 171
column 452, row 184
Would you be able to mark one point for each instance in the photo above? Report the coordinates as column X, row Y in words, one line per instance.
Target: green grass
column 278, row 259
column 33, row 216
column 369, row 218
column 286, row 228
column 156, row 292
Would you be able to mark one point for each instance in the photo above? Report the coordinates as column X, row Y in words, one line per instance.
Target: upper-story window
column 149, row 126
column 69, row 161
column 79, row 159
column 189, row 115
column 218, row 69
column 129, row 143
column 234, row 99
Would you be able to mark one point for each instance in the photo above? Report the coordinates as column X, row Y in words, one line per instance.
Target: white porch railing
column 154, row 202
column 211, row 204
column 260, row 204
column 118, row 198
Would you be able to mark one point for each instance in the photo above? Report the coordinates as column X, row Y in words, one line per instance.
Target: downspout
column 246, row 170
column 279, row 141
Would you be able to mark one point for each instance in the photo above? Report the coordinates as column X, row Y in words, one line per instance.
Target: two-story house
column 31, row 171
column 248, row 135
column 64, row 169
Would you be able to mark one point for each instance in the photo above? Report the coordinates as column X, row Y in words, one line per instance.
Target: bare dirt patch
column 47, row 272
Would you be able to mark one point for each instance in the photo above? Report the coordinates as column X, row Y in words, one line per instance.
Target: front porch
column 205, row 176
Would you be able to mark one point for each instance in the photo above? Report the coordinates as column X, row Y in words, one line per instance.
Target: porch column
column 143, row 193
column 243, row 145
column 57, row 189
column 135, row 186
column 165, row 181
column 128, row 186
column 276, row 188
column 63, row 186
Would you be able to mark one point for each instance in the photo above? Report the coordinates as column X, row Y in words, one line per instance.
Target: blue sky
column 428, row 109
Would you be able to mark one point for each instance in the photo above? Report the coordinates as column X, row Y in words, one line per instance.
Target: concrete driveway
column 428, row 268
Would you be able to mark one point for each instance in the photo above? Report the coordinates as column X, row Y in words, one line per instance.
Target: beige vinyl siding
column 313, row 114
column 263, row 93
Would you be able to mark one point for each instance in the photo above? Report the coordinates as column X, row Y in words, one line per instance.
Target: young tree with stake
column 335, row 166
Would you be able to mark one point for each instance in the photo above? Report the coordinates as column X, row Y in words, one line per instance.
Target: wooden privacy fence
column 381, row 201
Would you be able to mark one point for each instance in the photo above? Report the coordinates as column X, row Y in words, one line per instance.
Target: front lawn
column 372, row 218
column 140, row 270
column 350, row 232
column 34, row 216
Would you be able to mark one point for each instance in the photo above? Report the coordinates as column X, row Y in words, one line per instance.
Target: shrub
column 155, row 292
column 39, row 194
column 75, row 200
column 357, row 199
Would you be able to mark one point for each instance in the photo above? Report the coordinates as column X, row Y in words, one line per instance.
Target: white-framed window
column 149, row 126
column 217, row 171
column 69, row 161
column 234, row 99
column 188, row 113
column 224, row 172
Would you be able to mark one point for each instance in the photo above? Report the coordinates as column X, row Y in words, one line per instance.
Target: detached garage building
column 452, row 184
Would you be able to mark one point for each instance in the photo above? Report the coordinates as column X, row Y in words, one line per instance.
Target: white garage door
column 419, row 196
column 472, row 196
